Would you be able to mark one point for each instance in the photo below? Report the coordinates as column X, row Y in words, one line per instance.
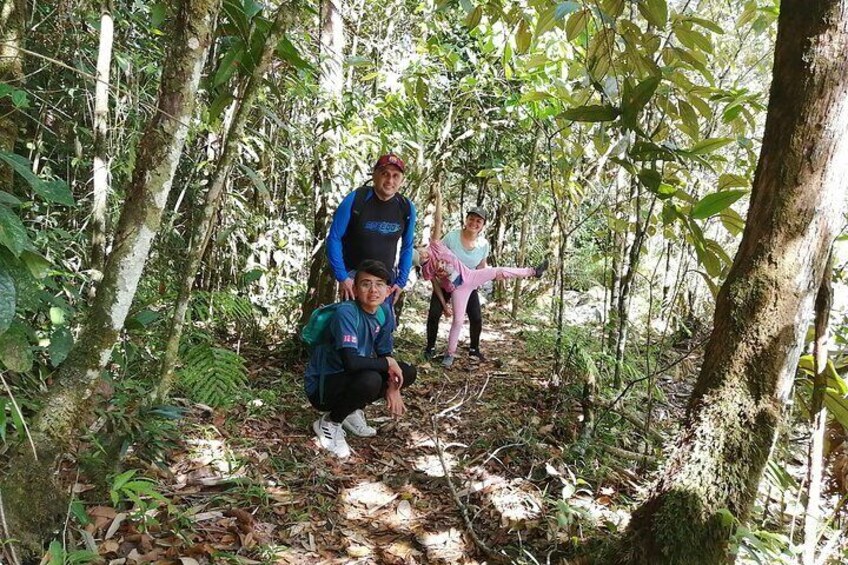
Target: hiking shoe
column 541, row 268
column 447, row 361
column 429, row 353
column 355, row 423
column 474, row 352
column 331, row 436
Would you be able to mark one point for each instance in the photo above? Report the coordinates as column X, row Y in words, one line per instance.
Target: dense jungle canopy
column 673, row 390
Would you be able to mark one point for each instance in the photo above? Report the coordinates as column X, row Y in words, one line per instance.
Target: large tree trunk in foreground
column 764, row 308
column 203, row 226
column 27, row 490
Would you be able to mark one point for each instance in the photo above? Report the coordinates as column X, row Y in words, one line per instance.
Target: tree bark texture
column 66, row 405
column 12, row 25
column 204, row 222
column 525, row 221
column 765, row 305
column 101, row 122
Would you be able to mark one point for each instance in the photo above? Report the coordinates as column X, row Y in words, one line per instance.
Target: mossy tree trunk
column 12, row 26
column 204, row 221
column 66, row 406
column 764, row 307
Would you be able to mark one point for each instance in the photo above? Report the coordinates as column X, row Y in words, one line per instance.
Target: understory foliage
column 620, row 138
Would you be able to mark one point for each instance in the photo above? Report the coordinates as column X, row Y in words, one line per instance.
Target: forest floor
column 251, row 485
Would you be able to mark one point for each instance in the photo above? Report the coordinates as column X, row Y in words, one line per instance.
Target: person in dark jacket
column 369, row 223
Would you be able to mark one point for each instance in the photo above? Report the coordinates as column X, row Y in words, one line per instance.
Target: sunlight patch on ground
column 516, row 504
column 207, row 462
column 432, row 467
column 445, row 546
column 365, row 499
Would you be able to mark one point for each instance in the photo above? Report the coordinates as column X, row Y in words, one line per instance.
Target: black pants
column 475, row 318
column 346, row 392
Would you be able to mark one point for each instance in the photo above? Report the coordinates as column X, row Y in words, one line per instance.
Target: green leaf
column 612, row 8
column 655, row 11
column 474, row 17
column 8, row 299
column 8, row 199
column 37, row 264
column 61, row 342
column 56, row 191
column 158, row 12
column 714, row 203
column 12, row 232
column 3, row 419
column 229, row 64
column 20, row 99
column 728, row 180
column 732, row 221
column 709, row 145
column 523, row 37
column 15, row 352
column 643, row 92
column 651, row 179
column 565, row 8
column 257, row 181
column 576, row 24
column 288, row 52
column 594, row 113
column 705, row 23
column 57, row 316
column 52, row 191
column 534, row 96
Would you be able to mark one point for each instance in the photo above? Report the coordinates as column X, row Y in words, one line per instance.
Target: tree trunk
column 765, row 305
column 66, row 406
column 321, row 284
column 13, row 16
column 101, row 158
column 525, row 221
column 204, row 222
column 818, row 413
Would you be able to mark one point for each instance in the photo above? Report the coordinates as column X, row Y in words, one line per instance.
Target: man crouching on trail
column 355, row 367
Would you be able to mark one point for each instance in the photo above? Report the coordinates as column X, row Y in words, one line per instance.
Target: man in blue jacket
column 356, row 365
column 368, row 224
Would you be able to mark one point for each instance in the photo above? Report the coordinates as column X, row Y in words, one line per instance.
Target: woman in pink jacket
column 438, row 263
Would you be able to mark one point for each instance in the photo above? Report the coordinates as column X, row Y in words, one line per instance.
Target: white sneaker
column 331, row 436
column 355, row 423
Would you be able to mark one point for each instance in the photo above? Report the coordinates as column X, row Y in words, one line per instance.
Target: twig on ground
column 629, row 455
column 485, row 384
column 9, row 543
column 495, row 556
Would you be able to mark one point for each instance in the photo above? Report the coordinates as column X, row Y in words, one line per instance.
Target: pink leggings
column 476, row 279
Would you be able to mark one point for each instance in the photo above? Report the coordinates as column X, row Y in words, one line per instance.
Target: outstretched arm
column 437, row 218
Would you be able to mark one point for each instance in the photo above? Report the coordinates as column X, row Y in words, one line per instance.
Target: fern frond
column 212, row 375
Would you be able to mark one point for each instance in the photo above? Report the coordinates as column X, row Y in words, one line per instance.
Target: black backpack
column 359, row 203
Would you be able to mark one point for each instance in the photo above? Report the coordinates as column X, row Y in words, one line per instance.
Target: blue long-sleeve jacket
column 374, row 235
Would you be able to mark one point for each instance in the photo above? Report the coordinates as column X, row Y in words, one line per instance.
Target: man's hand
column 395, row 373
column 395, row 403
column 346, row 289
column 396, row 291
column 448, row 311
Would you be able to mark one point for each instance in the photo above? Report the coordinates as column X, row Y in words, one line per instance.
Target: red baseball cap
column 389, row 159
